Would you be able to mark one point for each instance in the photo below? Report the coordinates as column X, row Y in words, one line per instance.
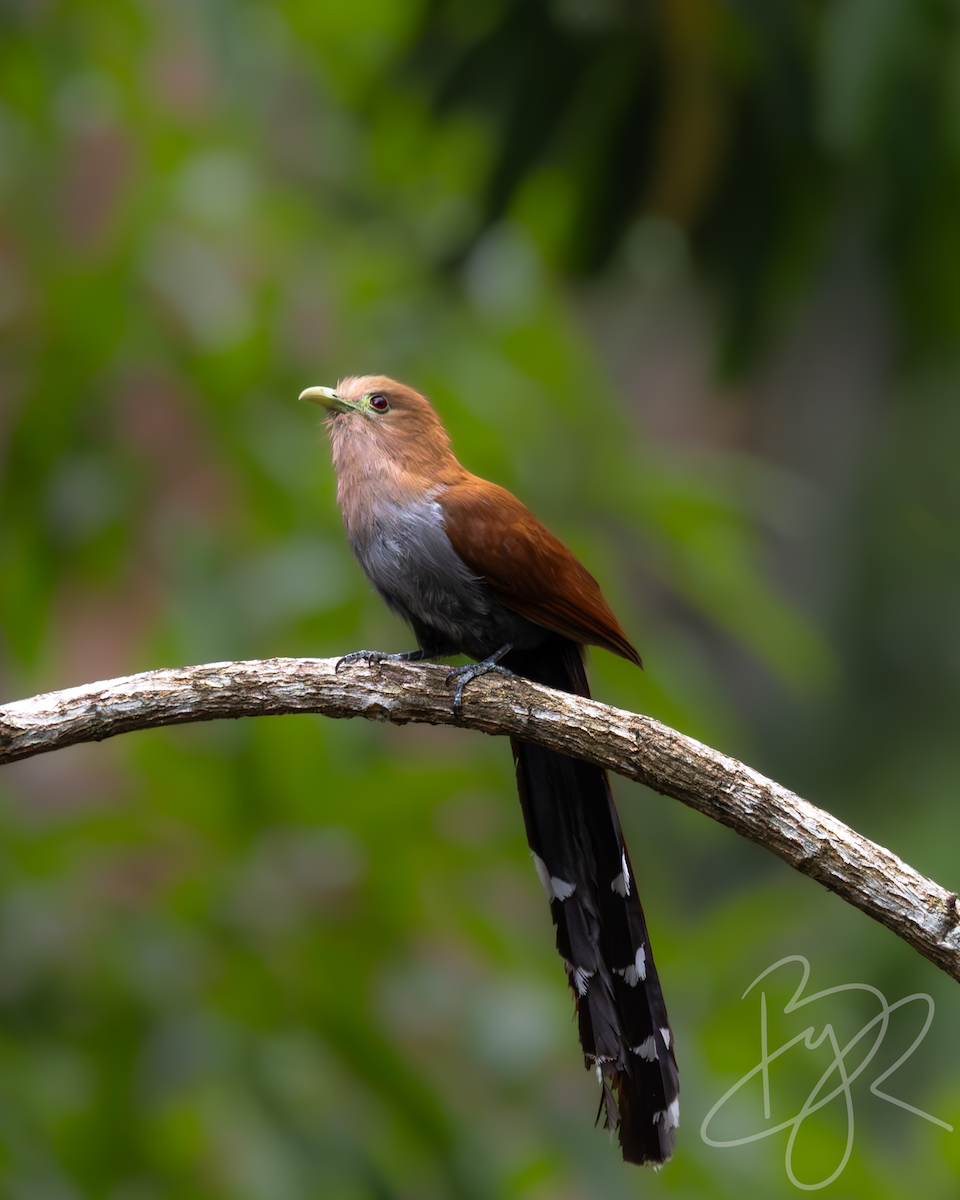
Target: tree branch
column 864, row 874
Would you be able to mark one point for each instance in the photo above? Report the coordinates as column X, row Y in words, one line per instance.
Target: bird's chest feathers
column 395, row 537
column 395, row 528
column 384, row 512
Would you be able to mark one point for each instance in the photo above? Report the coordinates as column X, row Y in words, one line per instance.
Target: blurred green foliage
column 756, row 126
column 290, row 957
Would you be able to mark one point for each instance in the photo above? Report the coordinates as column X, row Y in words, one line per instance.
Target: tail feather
column 574, row 833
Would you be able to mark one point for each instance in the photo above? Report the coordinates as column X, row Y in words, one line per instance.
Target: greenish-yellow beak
column 328, row 398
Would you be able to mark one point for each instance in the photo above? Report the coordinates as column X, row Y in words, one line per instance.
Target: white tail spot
column 665, row 1034
column 670, row 1115
column 544, row 876
column 561, row 889
column 581, row 979
column 647, row 1049
column 637, row 969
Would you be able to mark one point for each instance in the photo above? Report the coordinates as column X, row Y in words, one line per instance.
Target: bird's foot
column 466, row 674
column 371, row 657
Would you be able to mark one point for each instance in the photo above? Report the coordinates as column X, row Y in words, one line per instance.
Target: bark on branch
column 809, row 839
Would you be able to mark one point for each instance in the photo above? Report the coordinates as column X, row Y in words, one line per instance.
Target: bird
column 473, row 572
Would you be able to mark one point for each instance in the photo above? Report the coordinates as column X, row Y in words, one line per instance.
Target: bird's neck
column 377, row 472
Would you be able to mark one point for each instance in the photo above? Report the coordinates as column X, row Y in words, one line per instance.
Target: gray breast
column 407, row 556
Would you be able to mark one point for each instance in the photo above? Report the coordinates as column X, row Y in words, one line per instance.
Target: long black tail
column 574, row 833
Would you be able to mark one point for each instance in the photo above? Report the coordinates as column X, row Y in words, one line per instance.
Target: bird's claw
column 370, row 657
column 466, row 674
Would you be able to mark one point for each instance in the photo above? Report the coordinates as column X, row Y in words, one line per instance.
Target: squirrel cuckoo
column 474, row 572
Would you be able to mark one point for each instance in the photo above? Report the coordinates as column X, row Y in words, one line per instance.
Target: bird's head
column 376, row 415
column 376, row 398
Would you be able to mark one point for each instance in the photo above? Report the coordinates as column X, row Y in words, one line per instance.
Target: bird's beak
column 328, row 398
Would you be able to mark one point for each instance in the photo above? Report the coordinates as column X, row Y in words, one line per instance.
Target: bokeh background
column 683, row 274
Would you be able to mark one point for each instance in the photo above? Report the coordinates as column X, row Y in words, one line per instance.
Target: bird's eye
column 380, row 403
